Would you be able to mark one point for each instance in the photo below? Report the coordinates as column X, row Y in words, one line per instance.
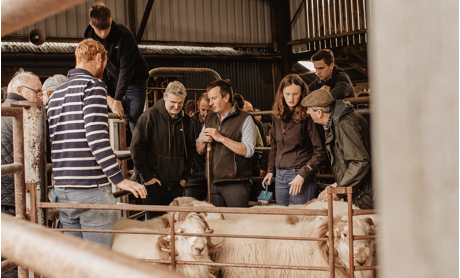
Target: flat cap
column 53, row 82
column 318, row 98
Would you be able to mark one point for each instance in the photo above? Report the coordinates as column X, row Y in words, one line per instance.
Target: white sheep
column 192, row 202
column 157, row 223
column 288, row 252
column 188, row 248
column 339, row 208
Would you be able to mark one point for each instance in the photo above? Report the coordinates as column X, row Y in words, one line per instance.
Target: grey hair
column 327, row 109
column 176, row 88
column 20, row 78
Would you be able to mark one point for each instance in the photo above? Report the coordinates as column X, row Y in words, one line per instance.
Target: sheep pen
column 187, row 248
column 290, row 252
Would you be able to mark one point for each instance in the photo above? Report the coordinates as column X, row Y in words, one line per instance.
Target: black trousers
column 161, row 195
column 231, row 194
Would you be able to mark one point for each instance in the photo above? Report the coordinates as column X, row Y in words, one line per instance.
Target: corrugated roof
column 69, row 48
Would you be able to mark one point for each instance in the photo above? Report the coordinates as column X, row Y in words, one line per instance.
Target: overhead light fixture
column 308, row 65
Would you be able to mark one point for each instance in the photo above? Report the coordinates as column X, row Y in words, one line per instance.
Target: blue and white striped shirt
column 78, row 125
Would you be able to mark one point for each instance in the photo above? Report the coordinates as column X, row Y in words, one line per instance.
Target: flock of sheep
column 251, row 250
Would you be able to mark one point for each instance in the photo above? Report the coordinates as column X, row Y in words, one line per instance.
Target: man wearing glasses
column 24, row 86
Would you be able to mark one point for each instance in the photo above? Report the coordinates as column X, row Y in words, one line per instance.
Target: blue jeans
column 135, row 99
column 88, row 218
column 282, row 186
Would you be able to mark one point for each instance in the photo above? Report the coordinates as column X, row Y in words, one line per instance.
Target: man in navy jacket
column 126, row 73
column 329, row 76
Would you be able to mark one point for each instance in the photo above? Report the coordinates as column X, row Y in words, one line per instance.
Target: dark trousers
column 231, row 194
column 199, row 192
column 161, row 195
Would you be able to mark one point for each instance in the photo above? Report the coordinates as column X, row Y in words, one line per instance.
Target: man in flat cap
column 347, row 143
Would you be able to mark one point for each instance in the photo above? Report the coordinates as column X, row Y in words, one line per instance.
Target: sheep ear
column 164, row 244
column 369, row 221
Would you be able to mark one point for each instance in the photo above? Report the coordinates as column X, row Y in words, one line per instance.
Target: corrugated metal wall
column 217, row 21
column 328, row 17
column 73, row 22
column 253, row 80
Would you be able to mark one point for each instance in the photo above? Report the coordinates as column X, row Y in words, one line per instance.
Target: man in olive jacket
column 163, row 146
column 347, row 143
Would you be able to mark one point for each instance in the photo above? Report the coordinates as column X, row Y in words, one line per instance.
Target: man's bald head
column 248, row 106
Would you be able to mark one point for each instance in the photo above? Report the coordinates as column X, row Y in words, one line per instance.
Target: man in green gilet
column 232, row 134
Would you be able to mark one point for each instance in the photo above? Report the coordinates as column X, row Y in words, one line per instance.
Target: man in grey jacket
column 25, row 86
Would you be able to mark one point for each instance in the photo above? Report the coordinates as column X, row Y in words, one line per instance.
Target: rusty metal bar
column 18, row 153
column 137, row 215
column 35, row 157
column 293, row 267
column 42, row 249
column 350, row 232
column 364, row 237
column 173, row 241
column 371, row 267
column 364, row 212
column 358, row 100
column 330, row 214
column 8, row 265
column 265, row 210
column 195, row 234
column 160, row 71
column 10, row 169
column 9, row 111
column 17, row 14
column 145, row 18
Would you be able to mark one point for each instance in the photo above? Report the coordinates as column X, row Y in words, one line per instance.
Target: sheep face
column 197, row 246
column 363, row 249
column 192, row 247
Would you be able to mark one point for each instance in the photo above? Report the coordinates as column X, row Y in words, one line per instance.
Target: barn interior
column 398, row 53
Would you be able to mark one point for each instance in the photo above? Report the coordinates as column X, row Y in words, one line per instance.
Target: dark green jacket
column 349, row 149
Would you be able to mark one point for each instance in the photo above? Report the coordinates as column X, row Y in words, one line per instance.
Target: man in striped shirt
column 84, row 165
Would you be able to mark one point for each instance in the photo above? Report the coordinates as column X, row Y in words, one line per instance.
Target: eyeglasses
column 37, row 91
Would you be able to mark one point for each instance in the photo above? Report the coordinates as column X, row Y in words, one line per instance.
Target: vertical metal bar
column 173, row 241
column 155, row 96
column 330, row 217
column 208, row 170
column 35, row 157
column 132, row 15
column 350, row 234
column 19, row 178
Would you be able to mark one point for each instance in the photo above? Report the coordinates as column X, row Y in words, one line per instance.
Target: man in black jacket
column 126, row 73
column 329, row 76
column 163, row 147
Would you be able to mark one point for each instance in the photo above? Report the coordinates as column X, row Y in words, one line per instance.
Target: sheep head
column 190, row 247
column 363, row 249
